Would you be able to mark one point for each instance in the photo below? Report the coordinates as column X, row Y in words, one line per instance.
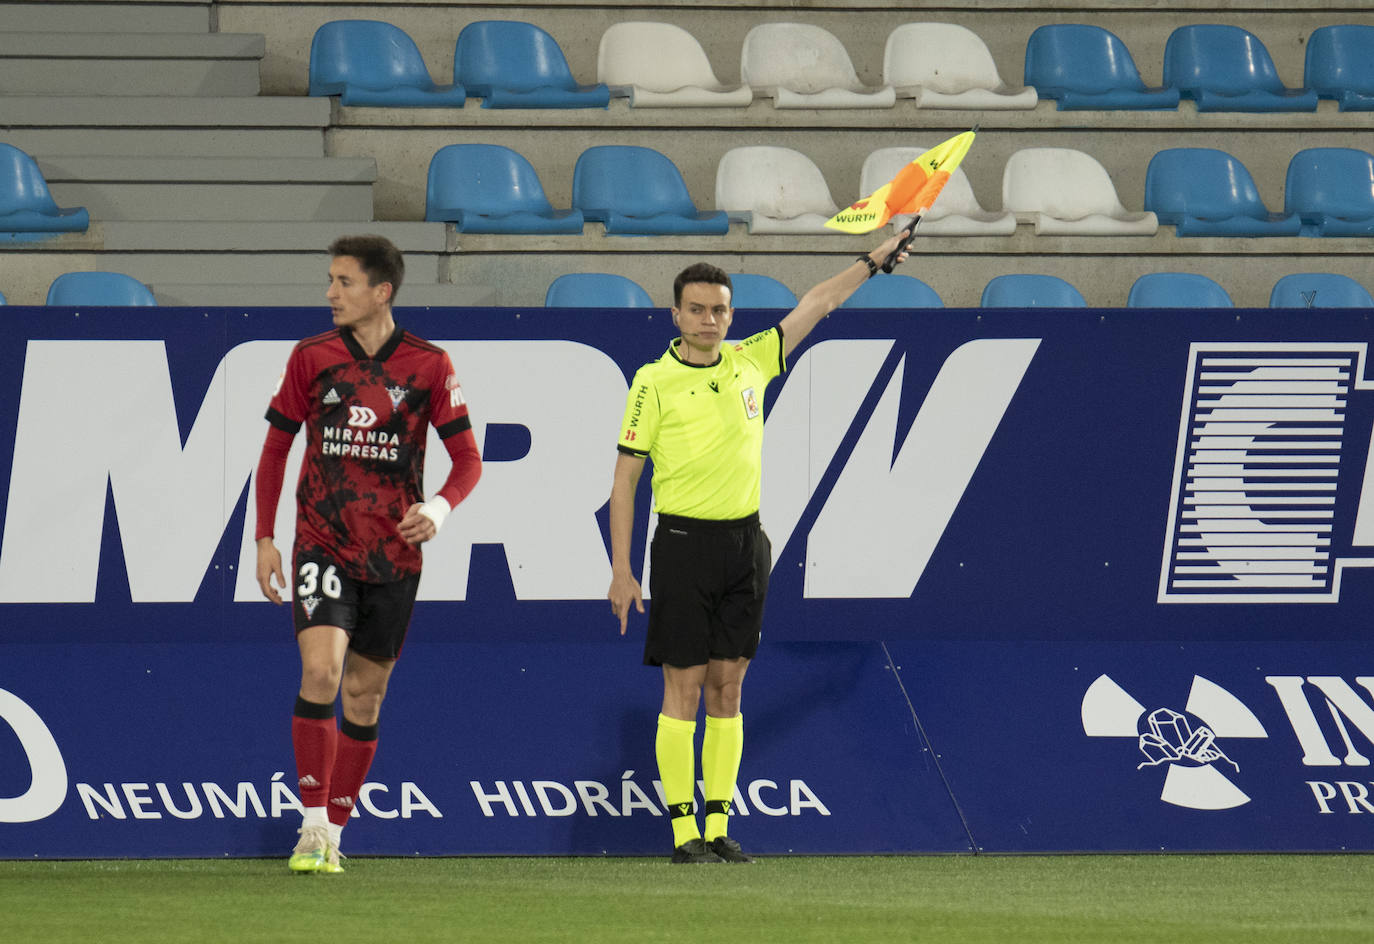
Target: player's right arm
column 284, row 416
column 625, row 589
column 268, row 482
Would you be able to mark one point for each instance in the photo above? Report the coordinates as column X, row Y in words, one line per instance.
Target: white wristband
column 436, row 510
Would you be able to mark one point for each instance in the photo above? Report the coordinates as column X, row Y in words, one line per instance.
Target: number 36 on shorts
column 311, row 579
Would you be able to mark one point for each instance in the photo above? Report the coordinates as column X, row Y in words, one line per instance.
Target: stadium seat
column 956, row 212
column 798, row 65
column 1088, row 67
column 27, row 209
column 1340, row 64
column 596, row 290
column 1206, row 192
column 1066, row 192
column 487, row 188
column 774, row 190
column 113, row 289
column 760, row 291
column 1030, row 291
column 894, row 291
column 366, row 62
column 659, row 65
column 943, row 65
column 3, row 300
column 1319, row 290
column 510, row 64
column 636, row 191
column 1226, row 68
column 1332, row 191
column 1177, row 290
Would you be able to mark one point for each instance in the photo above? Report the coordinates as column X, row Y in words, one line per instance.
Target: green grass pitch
column 1178, row 899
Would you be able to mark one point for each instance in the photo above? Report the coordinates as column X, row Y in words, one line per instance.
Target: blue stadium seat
column 510, row 64
column 595, row 290
column 1340, row 65
column 3, row 300
column 1177, row 290
column 1088, row 67
column 637, row 191
column 1226, row 68
column 1332, row 191
column 1319, row 290
column 760, row 291
column 487, row 188
column 1030, row 291
column 113, row 289
column 894, row 291
column 27, row 209
column 1206, row 192
column 366, row 62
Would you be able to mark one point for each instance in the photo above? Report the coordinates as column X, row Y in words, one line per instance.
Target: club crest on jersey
column 332, row 397
column 398, row 396
column 310, row 604
column 751, row 403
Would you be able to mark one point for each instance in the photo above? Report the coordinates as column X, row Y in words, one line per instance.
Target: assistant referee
column 697, row 412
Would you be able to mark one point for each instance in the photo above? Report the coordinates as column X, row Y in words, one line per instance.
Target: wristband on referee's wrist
column 868, row 261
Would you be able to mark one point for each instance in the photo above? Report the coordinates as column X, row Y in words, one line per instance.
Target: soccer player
column 697, row 412
column 366, row 393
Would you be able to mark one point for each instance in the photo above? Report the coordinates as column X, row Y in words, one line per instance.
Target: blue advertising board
column 1043, row 581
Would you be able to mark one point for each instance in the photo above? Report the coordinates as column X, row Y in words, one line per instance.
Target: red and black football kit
column 366, row 421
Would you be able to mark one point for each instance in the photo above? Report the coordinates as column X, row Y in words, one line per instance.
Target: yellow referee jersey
column 702, row 427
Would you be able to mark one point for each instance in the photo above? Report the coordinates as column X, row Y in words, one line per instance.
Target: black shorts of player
column 375, row 615
column 707, row 584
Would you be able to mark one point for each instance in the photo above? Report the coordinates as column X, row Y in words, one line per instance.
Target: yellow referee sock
column 721, row 748
column 677, row 770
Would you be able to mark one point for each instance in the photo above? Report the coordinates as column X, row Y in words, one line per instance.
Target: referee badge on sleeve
column 751, row 403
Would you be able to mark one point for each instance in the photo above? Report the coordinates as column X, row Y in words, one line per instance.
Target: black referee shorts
column 707, row 584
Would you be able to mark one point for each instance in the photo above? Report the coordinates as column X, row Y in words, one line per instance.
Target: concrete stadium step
column 59, row 63
column 268, row 188
column 238, row 255
column 268, row 236
column 158, row 16
column 311, row 295
column 165, row 126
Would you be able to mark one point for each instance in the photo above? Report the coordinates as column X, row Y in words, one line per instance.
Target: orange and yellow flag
column 913, row 190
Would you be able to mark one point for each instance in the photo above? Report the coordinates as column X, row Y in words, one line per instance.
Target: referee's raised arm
column 831, row 294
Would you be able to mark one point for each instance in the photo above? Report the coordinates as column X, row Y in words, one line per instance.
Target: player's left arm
column 422, row 520
column 831, row 294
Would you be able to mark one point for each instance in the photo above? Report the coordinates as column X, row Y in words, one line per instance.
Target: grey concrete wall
column 274, row 254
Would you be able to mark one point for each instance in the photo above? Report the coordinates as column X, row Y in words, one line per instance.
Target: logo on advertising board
column 1199, row 771
column 1267, row 457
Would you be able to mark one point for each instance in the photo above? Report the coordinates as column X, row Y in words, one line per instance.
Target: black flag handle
column 890, row 262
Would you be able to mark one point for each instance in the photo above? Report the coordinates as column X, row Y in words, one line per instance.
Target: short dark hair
column 700, row 272
column 377, row 256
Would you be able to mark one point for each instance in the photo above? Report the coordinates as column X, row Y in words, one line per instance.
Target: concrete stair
column 73, row 16
column 214, row 188
column 57, row 63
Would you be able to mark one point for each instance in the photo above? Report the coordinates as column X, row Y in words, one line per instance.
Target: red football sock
column 357, row 746
column 314, row 735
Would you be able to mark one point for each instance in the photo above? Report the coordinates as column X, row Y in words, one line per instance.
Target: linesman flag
column 913, row 190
